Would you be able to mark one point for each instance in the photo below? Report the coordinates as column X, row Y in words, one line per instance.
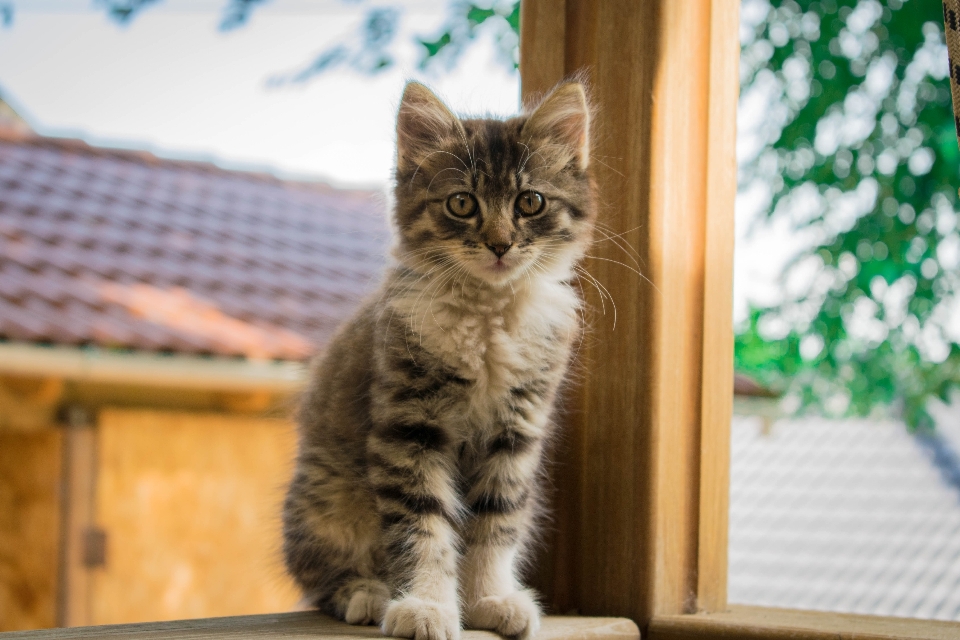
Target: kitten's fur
column 422, row 432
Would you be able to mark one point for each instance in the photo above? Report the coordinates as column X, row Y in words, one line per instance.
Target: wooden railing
column 738, row 623
column 313, row 625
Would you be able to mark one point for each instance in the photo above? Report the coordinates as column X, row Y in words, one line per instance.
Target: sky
column 171, row 82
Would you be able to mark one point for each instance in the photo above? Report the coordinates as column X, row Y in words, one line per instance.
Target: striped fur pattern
column 415, row 496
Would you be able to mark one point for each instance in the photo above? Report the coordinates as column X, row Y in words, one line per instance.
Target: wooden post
column 642, row 515
column 77, row 494
column 717, row 385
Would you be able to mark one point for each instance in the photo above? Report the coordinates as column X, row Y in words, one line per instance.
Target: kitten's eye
column 462, row 205
column 529, row 203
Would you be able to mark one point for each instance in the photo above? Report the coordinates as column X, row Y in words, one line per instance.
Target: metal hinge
column 94, row 548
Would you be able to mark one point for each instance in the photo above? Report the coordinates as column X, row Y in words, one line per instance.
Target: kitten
column 422, row 431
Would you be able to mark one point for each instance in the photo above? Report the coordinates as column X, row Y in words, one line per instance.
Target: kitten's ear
column 564, row 117
column 423, row 123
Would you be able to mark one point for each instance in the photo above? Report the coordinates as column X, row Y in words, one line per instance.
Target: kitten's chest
column 504, row 343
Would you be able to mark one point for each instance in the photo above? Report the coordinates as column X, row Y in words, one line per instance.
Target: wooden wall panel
column 190, row 504
column 29, row 528
column 630, row 484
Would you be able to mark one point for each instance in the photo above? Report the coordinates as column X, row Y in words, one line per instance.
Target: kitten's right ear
column 423, row 122
column 564, row 117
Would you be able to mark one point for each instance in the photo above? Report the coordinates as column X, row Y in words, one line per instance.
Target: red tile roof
column 123, row 249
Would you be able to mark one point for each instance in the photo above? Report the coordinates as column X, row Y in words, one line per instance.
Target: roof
column 123, row 249
column 747, row 387
column 10, row 119
column 845, row 515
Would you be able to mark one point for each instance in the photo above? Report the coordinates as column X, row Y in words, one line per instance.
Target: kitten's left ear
column 423, row 123
column 564, row 117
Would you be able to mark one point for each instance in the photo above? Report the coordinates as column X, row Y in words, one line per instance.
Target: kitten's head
column 491, row 198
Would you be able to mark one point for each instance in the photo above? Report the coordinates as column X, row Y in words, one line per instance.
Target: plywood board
column 190, row 504
column 29, row 528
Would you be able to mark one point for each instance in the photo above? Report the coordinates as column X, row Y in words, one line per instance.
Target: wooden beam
column 637, row 530
column 77, row 493
column 149, row 369
column 542, row 26
column 717, row 385
column 311, row 624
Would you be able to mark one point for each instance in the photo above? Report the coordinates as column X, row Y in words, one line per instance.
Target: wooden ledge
column 756, row 623
column 314, row 626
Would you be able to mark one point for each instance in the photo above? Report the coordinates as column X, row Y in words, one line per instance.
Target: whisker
column 597, row 158
column 432, row 153
column 616, row 243
column 603, row 294
column 448, row 275
column 525, row 159
column 599, row 286
column 626, row 266
column 441, row 171
column 466, row 145
column 607, row 229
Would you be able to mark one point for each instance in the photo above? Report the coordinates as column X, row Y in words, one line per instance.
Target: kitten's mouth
column 501, row 267
column 497, row 271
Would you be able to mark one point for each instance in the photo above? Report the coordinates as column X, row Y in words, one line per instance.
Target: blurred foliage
column 235, row 12
column 369, row 50
column 864, row 163
column 366, row 52
column 855, row 149
column 6, row 14
column 463, row 26
column 123, row 11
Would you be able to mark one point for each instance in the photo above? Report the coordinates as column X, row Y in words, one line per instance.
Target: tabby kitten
column 422, row 431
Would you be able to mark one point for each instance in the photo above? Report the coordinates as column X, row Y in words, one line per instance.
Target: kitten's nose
column 499, row 250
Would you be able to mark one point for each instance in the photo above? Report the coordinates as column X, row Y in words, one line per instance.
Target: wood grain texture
column 542, row 25
column 29, row 528
column 760, row 623
column 717, row 385
column 676, row 221
column 191, row 507
column 632, row 519
column 314, row 625
column 610, row 421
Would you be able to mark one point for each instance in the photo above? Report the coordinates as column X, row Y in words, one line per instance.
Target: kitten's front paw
column 421, row 620
column 367, row 605
column 515, row 615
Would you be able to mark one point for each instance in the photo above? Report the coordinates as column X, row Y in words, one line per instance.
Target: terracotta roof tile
column 123, row 249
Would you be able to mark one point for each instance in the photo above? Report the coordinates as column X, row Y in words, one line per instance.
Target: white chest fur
column 498, row 339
